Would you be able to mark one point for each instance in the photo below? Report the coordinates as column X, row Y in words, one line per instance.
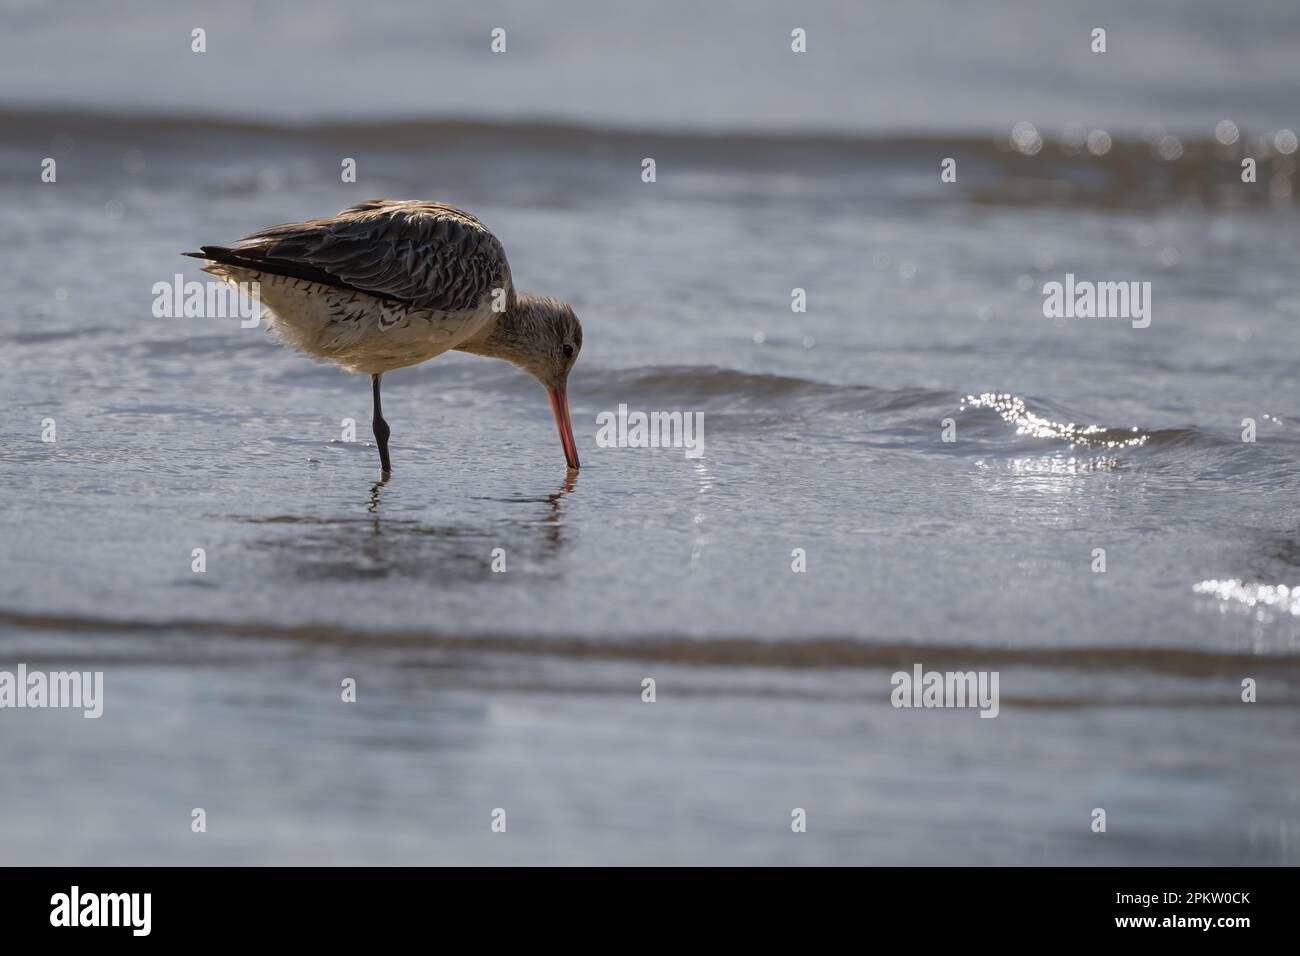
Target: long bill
column 559, row 396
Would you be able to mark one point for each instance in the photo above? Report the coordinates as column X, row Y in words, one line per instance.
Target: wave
column 1015, row 167
column 1013, row 410
column 988, row 420
column 731, row 390
column 700, row 382
column 737, row 388
column 809, row 653
column 433, row 131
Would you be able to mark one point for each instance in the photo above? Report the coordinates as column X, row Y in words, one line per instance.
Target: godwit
column 389, row 283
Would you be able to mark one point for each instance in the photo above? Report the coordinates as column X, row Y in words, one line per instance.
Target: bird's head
column 557, row 344
column 559, row 351
column 543, row 337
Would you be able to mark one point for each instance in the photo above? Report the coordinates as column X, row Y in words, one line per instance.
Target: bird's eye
column 568, row 350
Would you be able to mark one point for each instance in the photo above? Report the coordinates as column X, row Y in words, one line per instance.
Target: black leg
column 381, row 429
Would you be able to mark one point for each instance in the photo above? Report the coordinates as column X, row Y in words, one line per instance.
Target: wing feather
column 427, row 255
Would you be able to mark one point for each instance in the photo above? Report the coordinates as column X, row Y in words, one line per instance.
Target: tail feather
column 216, row 253
column 253, row 257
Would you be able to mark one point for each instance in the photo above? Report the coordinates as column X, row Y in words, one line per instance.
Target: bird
column 389, row 283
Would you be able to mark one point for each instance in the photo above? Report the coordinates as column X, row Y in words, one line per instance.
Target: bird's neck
column 509, row 335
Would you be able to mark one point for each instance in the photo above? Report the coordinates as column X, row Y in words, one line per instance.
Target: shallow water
column 823, row 432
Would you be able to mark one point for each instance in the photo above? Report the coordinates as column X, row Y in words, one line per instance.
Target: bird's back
column 384, row 283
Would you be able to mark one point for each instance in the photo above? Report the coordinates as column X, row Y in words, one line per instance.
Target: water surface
column 823, row 430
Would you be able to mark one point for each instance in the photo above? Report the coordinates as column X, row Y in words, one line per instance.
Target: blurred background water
column 823, row 430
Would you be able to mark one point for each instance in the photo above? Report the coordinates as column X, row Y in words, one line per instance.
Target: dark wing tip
column 207, row 252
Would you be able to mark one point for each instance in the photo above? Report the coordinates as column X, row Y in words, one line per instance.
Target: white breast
column 358, row 331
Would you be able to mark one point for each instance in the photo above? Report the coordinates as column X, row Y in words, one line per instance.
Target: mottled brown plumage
column 389, row 283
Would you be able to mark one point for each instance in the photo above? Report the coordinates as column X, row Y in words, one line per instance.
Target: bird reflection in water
column 377, row 545
column 373, row 507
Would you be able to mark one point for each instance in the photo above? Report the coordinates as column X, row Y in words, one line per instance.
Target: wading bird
column 388, row 283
